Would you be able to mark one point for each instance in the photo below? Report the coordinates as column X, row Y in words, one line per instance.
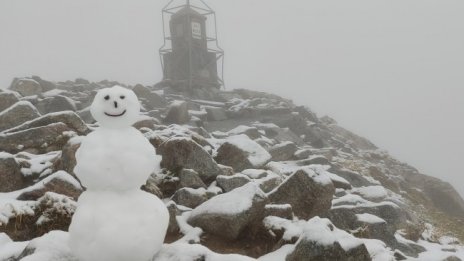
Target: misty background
column 391, row 71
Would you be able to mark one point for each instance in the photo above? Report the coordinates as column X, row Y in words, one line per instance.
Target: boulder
column 228, row 183
column 71, row 119
column 59, row 182
column 228, row 215
column 150, row 100
column 11, row 178
column 189, row 197
column 68, row 155
column 309, row 193
column 46, row 85
column 38, row 140
column 55, row 104
column 7, row 99
column 151, row 186
column 279, row 210
column 303, row 154
column 240, row 152
column 215, row 113
column 252, row 132
column 17, row 114
column 179, row 153
column 283, row 151
column 26, row 87
column 177, row 113
column 188, row 178
column 355, row 179
column 321, row 240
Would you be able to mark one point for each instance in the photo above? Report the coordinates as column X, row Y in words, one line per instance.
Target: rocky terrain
column 246, row 176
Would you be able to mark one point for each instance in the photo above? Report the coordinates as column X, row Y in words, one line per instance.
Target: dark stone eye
column 122, row 97
column 107, row 97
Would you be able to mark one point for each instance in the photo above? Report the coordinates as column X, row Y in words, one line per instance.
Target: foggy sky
column 392, row 71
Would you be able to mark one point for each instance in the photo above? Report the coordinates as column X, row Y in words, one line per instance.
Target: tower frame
column 213, row 47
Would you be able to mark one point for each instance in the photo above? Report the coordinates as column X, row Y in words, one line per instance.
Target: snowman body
column 115, row 220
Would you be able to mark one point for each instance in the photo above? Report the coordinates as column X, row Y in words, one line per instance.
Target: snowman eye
column 122, row 97
column 107, row 97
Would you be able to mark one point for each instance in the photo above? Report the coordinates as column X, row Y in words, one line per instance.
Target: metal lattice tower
column 191, row 56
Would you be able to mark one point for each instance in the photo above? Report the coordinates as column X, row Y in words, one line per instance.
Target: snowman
column 115, row 220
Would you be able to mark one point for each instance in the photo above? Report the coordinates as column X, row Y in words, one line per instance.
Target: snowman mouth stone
column 115, row 115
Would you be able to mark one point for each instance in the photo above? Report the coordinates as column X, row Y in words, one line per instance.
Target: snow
column 233, row 202
column 5, row 155
column 20, row 103
column 50, row 247
column 371, row 192
column 239, row 130
column 118, row 226
column 115, row 220
column 115, row 107
column 191, row 234
column 257, row 155
column 321, row 230
column 189, row 252
column 38, row 163
column 8, row 248
column 53, row 92
column 255, row 173
column 115, row 159
column 210, row 103
column 293, row 229
column 369, row 218
column 378, row 250
column 56, row 203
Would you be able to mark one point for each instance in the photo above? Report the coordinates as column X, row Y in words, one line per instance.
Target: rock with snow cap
column 17, row 114
column 283, row 151
column 26, row 87
column 179, row 153
column 38, row 140
column 177, row 113
column 55, row 104
column 229, row 214
column 321, row 240
column 240, row 152
column 228, row 183
column 11, row 178
column 7, row 99
column 309, row 193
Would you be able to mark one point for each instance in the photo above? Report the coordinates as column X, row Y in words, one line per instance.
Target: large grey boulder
column 240, row 152
column 38, row 140
column 180, row 153
column 309, row 193
column 188, row 178
column 215, row 113
column 7, row 99
column 11, row 178
column 59, row 182
column 150, row 100
column 177, row 113
column 55, row 104
column 26, row 87
column 228, row 215
column 283, row 151
column 190, row 197
column 321, row 240
column 67, row 117
column 17, row 114
column 228, row 183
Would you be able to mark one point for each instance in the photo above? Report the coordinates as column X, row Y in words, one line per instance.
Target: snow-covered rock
column 240, row 152
column 228, row 215
column 309, row 193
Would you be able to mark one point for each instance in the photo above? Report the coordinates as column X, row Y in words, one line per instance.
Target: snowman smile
column 115, row 115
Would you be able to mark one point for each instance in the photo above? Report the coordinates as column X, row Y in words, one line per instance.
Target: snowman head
column 115, row 107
